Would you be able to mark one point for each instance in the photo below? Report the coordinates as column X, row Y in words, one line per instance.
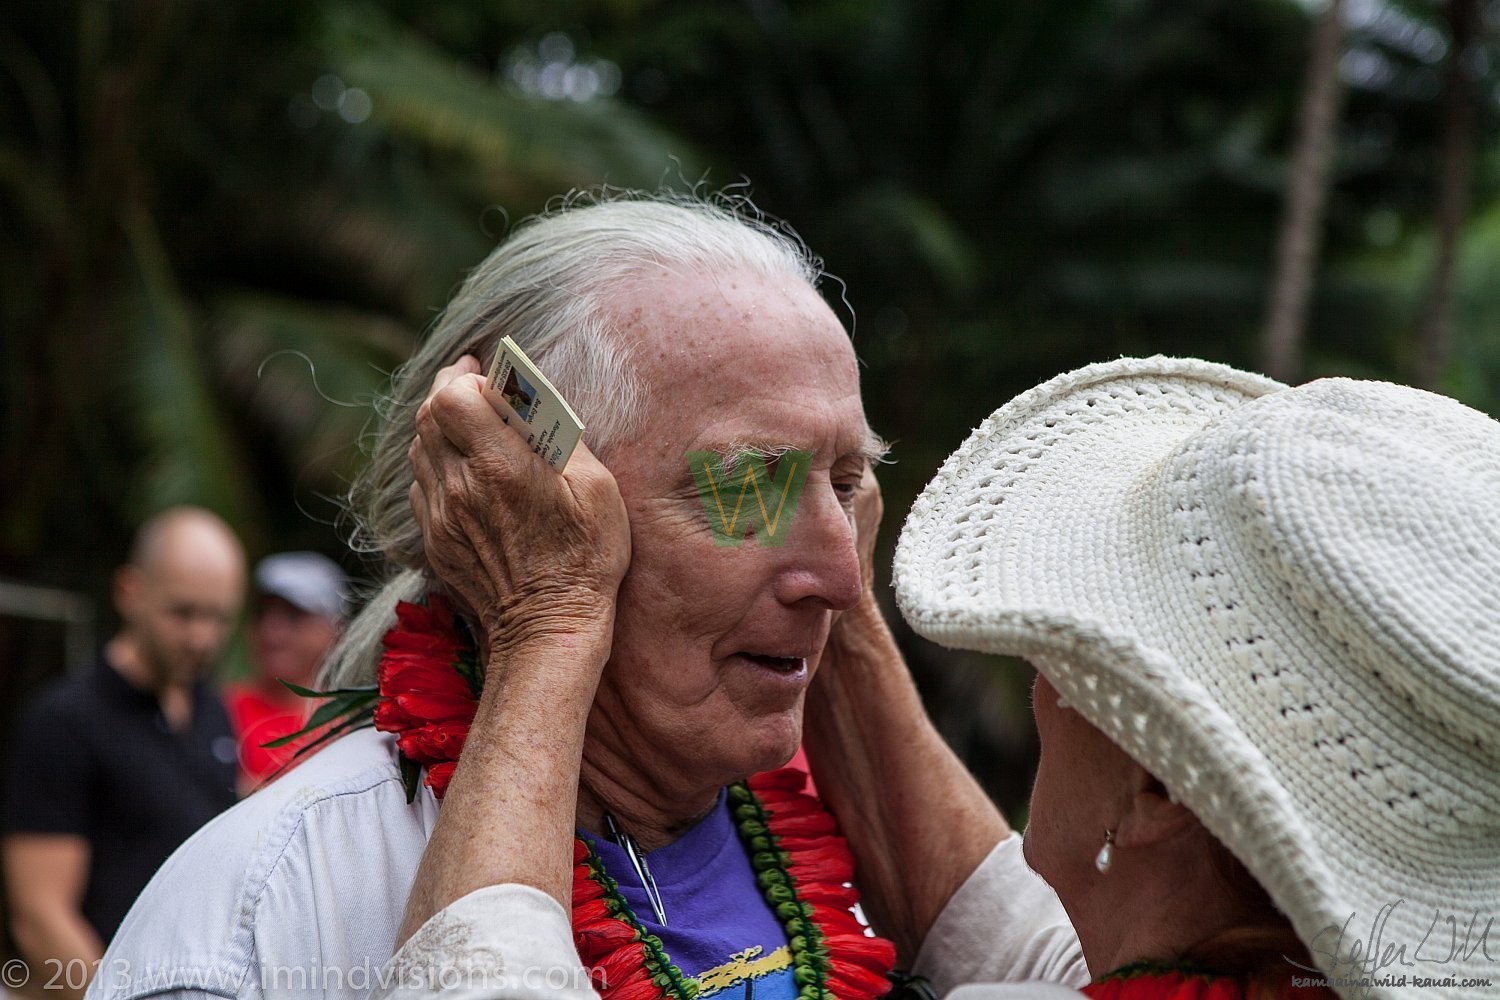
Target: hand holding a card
column 536, row 554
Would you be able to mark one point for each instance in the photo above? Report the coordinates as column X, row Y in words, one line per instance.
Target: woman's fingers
column 418, row 498
column 466, row 365
column 528, row 550
column 471, row 419
column 868, row 510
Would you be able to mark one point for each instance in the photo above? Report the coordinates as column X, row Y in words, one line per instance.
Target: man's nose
column 206, row 633
column 822, row 562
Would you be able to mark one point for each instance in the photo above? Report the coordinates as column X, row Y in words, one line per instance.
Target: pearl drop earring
column 1106, row 855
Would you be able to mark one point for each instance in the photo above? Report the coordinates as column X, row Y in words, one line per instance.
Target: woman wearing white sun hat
column 1266, row 622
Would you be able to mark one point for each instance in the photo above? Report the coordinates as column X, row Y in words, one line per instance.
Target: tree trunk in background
column 1436, row 335
column 1301, row 232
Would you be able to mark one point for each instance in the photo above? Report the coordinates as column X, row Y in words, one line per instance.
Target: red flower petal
column 437, row 743
column 641, row 989
column 836, row 919
column 782, row 778
column 873, row 953
column 591, row 912
column 436, row 707
column 584, row 890
column 621, row 967
column 778, row 800
column 829, row 867
column 839, row 897
column 438, row 776
column 392, row 718
column 811, row 825
column 853, row 980
column 401, row 672
column 600, row 936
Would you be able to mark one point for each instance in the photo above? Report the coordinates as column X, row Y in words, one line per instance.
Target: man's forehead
column 717, row 368
column 754, row 363
column 727, row 322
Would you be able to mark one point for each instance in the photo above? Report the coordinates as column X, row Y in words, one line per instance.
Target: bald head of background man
column 178, row 598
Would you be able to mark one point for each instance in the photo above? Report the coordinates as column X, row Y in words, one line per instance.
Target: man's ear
column 127, row 591
column 1153, row 816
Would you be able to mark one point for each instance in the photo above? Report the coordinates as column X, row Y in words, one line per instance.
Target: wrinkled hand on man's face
column 532, row 552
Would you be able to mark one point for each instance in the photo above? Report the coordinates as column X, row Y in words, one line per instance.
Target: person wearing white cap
column 296, row 616
column 1266, row 624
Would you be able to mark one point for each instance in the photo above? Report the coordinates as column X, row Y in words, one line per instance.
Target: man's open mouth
column 781, row 664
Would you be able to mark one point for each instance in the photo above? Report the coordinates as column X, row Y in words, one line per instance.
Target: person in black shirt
column 113, row 767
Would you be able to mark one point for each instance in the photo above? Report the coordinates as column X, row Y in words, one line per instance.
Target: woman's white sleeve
column 503, row 942
column 1004, row 924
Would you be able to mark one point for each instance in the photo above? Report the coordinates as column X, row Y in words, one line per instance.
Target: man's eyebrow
column 763, row 450
column 873, row 449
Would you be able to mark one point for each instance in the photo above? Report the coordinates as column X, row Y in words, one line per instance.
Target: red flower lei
column 1154, row 981
column 1168, row 985
column 430, row 680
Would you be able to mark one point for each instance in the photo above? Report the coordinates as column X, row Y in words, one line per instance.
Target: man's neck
column 653, row 813
column 123, row 653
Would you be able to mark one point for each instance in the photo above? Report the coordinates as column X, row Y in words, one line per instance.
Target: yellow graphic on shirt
column 743, row 965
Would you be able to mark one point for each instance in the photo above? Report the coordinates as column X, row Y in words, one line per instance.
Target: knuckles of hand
column 536, row 554
column 545, row 551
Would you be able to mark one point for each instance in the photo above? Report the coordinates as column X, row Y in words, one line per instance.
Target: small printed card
column 552, row 428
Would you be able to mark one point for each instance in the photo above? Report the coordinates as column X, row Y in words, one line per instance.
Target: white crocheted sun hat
column 1282, row 602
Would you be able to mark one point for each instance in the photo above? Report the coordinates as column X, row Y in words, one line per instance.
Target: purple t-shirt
column 720, row 930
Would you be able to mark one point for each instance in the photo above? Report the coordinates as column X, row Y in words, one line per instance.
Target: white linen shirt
column 298, row 892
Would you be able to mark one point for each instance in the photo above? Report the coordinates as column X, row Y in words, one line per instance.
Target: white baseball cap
column 307, row 580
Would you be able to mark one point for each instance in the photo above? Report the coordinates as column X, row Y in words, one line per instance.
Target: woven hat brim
column 1020, row 546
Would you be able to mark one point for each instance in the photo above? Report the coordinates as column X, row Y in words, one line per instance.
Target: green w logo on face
column 747, row 495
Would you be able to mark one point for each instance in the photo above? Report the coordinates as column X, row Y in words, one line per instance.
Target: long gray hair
column 547, row 287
